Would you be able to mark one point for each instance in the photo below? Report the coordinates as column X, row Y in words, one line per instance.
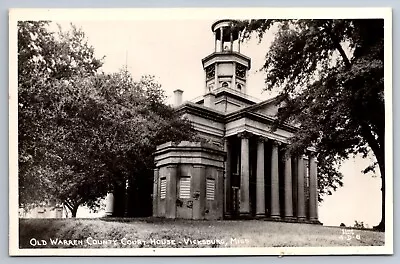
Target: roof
column 249, row 112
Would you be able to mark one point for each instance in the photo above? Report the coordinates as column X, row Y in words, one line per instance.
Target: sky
column 172, row 50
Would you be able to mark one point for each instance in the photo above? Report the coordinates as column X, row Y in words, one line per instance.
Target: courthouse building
column 242, row 169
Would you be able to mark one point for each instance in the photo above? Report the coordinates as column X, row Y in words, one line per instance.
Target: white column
column 215, row 45
column 244, row 206
column 222, row 38
column 301, row 212
column 155, row 192
column 231, row 38
column 288, row 187
column 227, row 182
column 275, row 207
column 234, row 76
column 109, row 204
column 216, row 83
column 313, row 189
column 260, row 187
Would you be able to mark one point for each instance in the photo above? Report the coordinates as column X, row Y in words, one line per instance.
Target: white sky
column 172, row 51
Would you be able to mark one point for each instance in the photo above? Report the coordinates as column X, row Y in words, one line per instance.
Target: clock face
column 240, row 71
column 210, row 71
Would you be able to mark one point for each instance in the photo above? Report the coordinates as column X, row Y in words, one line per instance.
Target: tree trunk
column 381, row 225
column 74, row 211
column 377, row 146
column 72, row 206
column 380, row 156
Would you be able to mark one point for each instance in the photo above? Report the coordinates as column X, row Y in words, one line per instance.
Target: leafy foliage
column 83, row 133
column 43, row 63
column 359, row 224
column 330, row 77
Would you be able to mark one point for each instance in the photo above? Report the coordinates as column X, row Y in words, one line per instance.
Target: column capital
column 313, row 158
column 287, row 155
column 276, row 143
column 287, row 151
column 262, row 139
column 244, row 134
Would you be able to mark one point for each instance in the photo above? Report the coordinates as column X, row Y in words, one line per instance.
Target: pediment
column 268, row 107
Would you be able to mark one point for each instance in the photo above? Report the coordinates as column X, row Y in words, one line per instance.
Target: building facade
column 244, row 167
column 48, row 209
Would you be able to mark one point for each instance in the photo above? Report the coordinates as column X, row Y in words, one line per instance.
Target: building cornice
column 202, row 111
column 205, row 112
column 245, row 113
column 227, row 54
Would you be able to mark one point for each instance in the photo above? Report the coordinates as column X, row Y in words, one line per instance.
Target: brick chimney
column 177, row 97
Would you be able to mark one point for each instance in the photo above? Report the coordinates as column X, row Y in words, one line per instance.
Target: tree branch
column 376, row 148
column 337, row 45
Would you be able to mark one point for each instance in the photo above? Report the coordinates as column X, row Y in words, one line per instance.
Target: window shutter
column 210, row 191
column 163, row 188
column 184, row 187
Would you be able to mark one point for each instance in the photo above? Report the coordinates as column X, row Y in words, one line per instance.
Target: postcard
column 200, row 131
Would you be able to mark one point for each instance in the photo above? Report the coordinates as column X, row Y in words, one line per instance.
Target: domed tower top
column 225, row 32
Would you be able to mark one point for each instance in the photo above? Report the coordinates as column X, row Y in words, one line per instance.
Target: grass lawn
column 133, row 233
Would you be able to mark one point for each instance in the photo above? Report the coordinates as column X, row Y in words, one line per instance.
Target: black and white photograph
column 208, row 131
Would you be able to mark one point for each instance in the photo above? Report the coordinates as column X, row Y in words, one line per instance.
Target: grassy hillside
column 131, row 233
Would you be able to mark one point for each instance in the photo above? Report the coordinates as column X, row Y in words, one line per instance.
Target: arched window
column 239, row 86
column 225, row 84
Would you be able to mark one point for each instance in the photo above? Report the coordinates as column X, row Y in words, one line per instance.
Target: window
column 210, row 189
column 163, row 188
column 225, row 84
column 184, row 187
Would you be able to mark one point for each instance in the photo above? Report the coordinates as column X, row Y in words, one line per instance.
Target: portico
column 270, row 183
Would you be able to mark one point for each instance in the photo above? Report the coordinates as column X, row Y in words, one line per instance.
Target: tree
column 101, row 132
column 45, row 60
column 359, row 224
column 330, row 77
column 82, row 133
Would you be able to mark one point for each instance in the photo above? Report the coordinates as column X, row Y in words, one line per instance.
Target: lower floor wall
column 188, row 191
column 189, row 181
